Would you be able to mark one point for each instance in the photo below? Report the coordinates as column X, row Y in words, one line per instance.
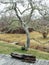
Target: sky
column 36, row 13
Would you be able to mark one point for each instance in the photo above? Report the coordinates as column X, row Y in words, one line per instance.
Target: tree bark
column 28, row 40
column 27, row 44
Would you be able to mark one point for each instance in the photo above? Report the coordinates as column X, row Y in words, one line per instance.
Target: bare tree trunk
column 27, row 44
column 28, row 40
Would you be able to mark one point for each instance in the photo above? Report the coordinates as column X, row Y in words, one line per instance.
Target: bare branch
column 7, row 9
column 32, row 9
column 23, row 11
column 15, row 5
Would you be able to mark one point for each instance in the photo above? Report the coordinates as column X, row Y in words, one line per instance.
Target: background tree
column 41, row 26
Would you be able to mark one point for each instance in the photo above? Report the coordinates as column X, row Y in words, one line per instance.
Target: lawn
column 21, row 38
column 39, row 47
column 8, row 48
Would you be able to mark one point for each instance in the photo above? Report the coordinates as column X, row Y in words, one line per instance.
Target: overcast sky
column 2, row 6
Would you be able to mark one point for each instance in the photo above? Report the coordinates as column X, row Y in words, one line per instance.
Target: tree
column 41, row 25
column 8, row 23
column 38, row 25
column 29, row 6
column 23, row 23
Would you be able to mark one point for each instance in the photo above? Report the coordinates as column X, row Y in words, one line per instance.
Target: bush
column 44, row 34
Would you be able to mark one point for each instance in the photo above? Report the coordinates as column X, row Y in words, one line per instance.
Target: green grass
column 8, row 48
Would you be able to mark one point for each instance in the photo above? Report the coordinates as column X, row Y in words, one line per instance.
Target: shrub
column 44, row 34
